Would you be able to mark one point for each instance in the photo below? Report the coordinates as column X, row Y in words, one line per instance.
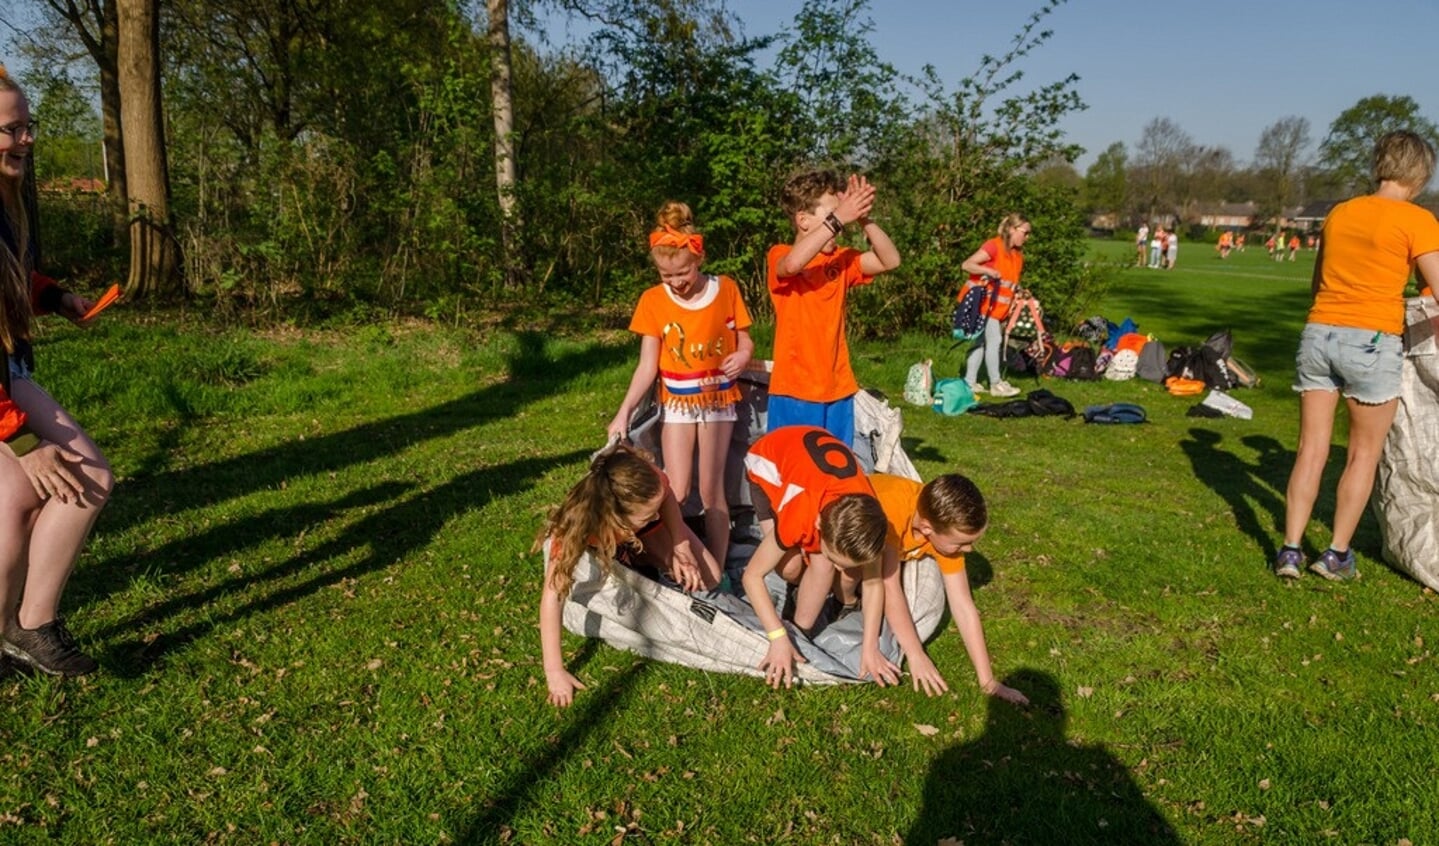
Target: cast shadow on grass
column 528, row 779
column 1259, row 337
column 387, row 536
column 1255, row 492
column 533, row 374
column 1023, row 782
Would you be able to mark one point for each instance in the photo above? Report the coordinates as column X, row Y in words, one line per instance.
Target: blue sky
column 1222, row 71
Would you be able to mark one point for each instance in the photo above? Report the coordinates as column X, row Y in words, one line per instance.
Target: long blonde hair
column 596, row 513
column 15, row 312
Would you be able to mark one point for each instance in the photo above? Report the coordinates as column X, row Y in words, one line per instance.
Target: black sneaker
column 49, row 649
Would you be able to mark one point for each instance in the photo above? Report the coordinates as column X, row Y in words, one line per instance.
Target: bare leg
column 677, row 445
column 714, row 439
column 1368, row 427
column 18, row 507
column 1316, row 430
column 61, row 528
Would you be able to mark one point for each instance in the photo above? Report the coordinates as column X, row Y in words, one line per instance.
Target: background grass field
column 315, row 609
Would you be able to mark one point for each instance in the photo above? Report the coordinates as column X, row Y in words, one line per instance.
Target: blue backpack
column 1117, row 412
column 953, row 396
column 973, row 309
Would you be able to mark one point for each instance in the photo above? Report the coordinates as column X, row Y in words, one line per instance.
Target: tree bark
column 96, row 24
column 154, row 253
column 505, row 173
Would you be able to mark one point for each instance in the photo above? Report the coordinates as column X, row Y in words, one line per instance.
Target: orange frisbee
column 106, row 300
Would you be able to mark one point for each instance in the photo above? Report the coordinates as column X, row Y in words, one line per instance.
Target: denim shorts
column 1365, row 365
column 18, row 369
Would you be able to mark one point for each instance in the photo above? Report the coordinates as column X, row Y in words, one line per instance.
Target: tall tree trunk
column 116, row 191
column 505, row 179
column 97, row 25
column 154, row 254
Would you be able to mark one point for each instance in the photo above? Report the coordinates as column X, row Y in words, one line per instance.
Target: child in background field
column 622, row 510
column 694, row 332
column 1293, row 246
column 823, row 530
column 942, row 519
column 809, row 280
column 1171, row 249
column 1156, row 247
column 999, row 262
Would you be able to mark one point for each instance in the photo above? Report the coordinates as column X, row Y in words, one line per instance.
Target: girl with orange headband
column 694, row 336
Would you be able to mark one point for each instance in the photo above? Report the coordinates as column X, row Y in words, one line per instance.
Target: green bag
column 953, row 397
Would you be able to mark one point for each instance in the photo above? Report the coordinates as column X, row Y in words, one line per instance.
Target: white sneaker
column 975, row 388
column 1003, row 389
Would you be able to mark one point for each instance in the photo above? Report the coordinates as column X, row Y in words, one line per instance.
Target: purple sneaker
column 1288, row 563
column 1334, row 567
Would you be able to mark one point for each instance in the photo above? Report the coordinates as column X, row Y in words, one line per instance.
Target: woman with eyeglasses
column 53, row 479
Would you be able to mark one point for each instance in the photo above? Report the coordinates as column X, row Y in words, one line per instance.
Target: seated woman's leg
column 61, row 528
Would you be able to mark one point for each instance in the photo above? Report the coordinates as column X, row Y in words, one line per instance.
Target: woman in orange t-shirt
column 694, row 335
column 998, row 262
column 1352, row 344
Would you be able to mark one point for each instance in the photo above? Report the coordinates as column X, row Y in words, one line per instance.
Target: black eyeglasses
column 18, row 130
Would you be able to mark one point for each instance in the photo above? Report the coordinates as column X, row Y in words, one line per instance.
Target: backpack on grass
column 919, row 383
column 953, row 397
column 967, row 321
column 1116, row 412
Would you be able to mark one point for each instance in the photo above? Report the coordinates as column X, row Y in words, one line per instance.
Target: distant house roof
column 74, row 185
column 1316, row 210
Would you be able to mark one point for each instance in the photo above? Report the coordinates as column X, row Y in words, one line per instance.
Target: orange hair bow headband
column 671, row 237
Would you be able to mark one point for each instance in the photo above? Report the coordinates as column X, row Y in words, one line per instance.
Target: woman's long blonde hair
column 15, row 312
column 596, row 513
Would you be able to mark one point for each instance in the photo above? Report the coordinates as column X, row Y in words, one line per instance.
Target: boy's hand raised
column 855, row 201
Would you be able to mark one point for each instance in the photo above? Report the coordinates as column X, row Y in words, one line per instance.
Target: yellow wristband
column 776, row 634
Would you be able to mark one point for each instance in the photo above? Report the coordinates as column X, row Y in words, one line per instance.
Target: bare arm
column 975, row 265
column 872, row 662
column 558, row 680
column 641, row 383
column 779, row 662
column 684, row 566
column 1428, row 267
column 1318, row 275
column 735, row 363
column 883, row 255
column 896, row 611
column 966, row 617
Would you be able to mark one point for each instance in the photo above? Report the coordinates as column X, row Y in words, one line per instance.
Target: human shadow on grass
column 1023, row 781
column 527, row 780
column 1255, row 492
column 387, row 536
column 532, row 375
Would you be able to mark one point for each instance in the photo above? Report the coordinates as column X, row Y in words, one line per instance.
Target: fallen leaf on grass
column 777, row 717
column 927, row 731
column 1264, row 784
column 1085, row 692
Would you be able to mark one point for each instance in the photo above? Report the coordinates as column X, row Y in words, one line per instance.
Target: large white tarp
column 1406, row 488
column 719, row 631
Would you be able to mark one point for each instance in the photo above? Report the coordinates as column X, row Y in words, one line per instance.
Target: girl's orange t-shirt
column 1367, row 257
column 1009, row 264
column 695, row 337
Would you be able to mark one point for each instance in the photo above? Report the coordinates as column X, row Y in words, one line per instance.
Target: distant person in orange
column 1353, row 344
column 1269, row 245
column 1226, row 243
column 1293, row 246
column 1239, row 242
column 824, row 532
column 809, row 280
column 998, row 263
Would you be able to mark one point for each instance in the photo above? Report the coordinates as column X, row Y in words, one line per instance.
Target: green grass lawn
column 315, row 609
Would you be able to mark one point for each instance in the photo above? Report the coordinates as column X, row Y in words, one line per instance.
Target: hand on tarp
column 926, row 676
column 779, row 663
column 879, row 668
column 686, row 568
column 562, row 687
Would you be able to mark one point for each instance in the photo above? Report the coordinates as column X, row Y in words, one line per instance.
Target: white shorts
column 677, row 413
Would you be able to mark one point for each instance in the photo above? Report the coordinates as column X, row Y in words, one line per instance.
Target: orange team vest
column 694, row 338
column 1370, row 244
column 811, row 355
column 899, row 497
column 801, row 469
column 1009, row 263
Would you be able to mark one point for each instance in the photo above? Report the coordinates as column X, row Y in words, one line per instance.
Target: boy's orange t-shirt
column 802, row 469
column 899, row 497
column 811, row 353
column 1370, row 244
column 694, row 338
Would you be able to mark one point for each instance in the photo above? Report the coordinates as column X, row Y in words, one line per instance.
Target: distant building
column 1226, row 215
column 74, row 185
column 1310, row 218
